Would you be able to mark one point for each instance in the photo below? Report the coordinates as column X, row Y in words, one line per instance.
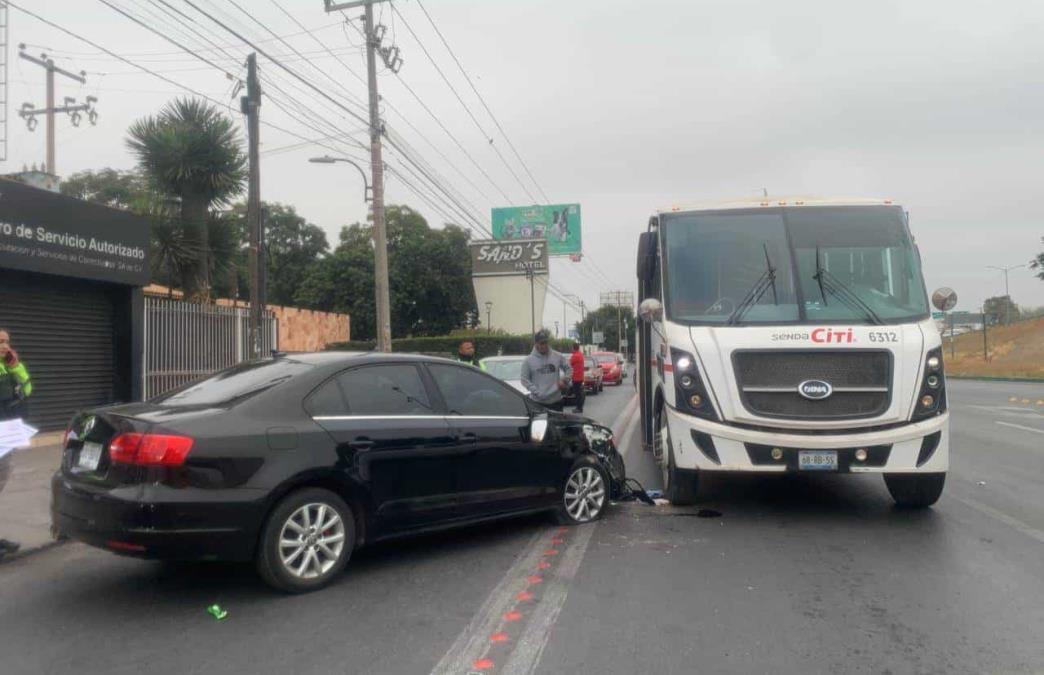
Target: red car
column 592, row 375
column 612, row 371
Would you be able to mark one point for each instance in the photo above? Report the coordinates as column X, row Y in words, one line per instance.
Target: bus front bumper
column 920, row 447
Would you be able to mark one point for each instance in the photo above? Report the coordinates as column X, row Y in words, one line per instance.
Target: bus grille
column 768, row 381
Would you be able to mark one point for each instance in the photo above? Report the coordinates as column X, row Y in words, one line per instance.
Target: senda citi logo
column 834, row 336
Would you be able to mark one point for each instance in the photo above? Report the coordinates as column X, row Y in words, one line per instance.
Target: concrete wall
column 510, row 297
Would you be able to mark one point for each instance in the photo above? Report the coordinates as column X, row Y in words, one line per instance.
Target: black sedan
column 296, row 461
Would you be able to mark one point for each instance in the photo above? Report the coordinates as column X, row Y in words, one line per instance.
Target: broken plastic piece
column 217, row 612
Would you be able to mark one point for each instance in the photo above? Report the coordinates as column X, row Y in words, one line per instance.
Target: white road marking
column 1010, row 521
column 1019, row 426
column 530, row 647
column 473, row 641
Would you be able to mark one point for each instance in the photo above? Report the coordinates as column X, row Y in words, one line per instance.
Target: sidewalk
column 25, row 503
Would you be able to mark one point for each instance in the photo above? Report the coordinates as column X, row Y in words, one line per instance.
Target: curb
column 990, row 378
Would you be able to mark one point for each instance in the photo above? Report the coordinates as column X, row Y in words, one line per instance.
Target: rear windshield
column 606, row 358
column 234, row 384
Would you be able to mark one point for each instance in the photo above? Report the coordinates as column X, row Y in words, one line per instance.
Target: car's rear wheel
column 585, row 494
column 915, row 490
column 306, row 541
column 679, row 487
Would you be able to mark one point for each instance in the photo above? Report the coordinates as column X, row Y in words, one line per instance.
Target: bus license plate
column 817, row 460
column 90, row 455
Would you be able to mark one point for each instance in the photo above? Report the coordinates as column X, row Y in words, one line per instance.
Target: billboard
column 559, row 224
column 42, row 231
column 508, row 258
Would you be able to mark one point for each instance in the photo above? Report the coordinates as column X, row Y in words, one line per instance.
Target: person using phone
column 15, row 388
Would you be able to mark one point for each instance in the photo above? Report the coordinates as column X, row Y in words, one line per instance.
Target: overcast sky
column 621, row 106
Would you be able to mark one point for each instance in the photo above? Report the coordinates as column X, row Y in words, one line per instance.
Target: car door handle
column 361, row 444
column 468, row 438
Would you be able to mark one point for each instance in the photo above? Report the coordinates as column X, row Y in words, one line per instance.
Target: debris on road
column 981, row 483
column 217, row 612
column 659, row 501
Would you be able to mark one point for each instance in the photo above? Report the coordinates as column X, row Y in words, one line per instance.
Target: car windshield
column 589, row 363
column 606, row 358
column 715, row 263
column 235, row 383
column 505, row 369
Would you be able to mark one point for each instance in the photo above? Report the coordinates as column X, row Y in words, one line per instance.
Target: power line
column 449, row 84
column 167, row 38
column 483, row 101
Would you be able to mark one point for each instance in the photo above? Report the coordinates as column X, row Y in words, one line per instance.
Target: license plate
column 817, row 460
column 90, row 455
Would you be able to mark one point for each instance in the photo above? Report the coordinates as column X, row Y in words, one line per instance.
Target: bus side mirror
column 651, row 309
column 646, row 256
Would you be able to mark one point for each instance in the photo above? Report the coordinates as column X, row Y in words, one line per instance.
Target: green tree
column 1038, row 263
column 192, row 152
column 607, row 319
column 292, row 247
column 429, row 277
column 1000, row 309
column 111, row 187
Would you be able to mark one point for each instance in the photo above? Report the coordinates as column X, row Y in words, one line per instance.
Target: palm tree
column 193, row 152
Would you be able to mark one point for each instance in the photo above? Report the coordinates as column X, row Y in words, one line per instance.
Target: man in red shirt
column 576, row 362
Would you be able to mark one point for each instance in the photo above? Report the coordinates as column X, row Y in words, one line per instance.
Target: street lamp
column 380, row 251
column 489, row 309
column 1007, row 293
column 327, row 159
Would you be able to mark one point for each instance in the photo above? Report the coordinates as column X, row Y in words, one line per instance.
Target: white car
column 507, row 368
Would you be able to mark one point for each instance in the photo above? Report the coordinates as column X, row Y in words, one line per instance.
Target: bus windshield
column 799, row 265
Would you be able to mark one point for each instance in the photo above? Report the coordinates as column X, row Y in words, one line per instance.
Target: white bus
column 790, row 335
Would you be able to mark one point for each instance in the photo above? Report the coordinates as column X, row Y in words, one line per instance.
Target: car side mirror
column 651, row 309
column 538, row 429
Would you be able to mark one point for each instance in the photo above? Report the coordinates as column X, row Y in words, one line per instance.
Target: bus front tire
column 915, row 490
column 679, row 487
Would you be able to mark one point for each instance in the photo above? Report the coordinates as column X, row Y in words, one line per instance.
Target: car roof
column 505, row 357
column 338, row 358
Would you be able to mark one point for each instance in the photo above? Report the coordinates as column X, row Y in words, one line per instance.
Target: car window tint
column 385, row 390
column 469, row 392
column 326, row 401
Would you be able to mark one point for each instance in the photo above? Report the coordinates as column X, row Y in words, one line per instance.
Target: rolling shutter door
column 63, row 331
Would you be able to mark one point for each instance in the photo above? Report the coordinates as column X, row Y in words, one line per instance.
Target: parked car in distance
column 507, row 368
column 592, row 376
column 296, row 461
column 612, row 370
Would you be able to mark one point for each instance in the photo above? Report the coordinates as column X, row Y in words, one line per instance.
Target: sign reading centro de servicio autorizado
column 559, row 224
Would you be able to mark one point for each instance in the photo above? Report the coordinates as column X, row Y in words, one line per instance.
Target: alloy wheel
column 311, row 541
column 584, row 494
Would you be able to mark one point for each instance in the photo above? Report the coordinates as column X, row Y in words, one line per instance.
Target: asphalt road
column 802, row 574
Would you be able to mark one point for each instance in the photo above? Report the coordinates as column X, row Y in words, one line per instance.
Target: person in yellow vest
column 15, row 389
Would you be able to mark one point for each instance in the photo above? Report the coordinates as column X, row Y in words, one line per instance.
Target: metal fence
column 186, row 341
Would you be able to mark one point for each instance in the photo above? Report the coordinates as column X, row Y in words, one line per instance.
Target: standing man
column 466, row 353
column 545, row 373
column 576, row 362
column 15, row 388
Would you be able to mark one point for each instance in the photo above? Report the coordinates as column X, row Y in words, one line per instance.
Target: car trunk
column 85, row 457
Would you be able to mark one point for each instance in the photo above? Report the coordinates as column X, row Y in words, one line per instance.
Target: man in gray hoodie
column 545, row 373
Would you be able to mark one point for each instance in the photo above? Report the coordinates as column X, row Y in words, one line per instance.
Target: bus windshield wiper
column 846, row 295
column 767, row 279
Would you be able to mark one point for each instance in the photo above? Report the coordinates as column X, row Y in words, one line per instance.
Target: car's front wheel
column 915, row 490
column 306, row 541
column 585, row 494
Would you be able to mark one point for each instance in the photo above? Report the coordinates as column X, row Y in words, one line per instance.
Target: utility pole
column 249, row 106
column 1007, row 293
column 582, row 319
column 393, row 62
column 618, row 298
column 531, row 275
column 28, row 112
column 985, row 354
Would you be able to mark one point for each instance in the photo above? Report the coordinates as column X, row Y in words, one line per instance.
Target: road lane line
column 473, row 642
column 1019, row 426
column 526, row 656
column 1010, row 521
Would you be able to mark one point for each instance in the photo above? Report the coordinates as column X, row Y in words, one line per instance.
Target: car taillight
column 65, row 436
column 150, row 449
